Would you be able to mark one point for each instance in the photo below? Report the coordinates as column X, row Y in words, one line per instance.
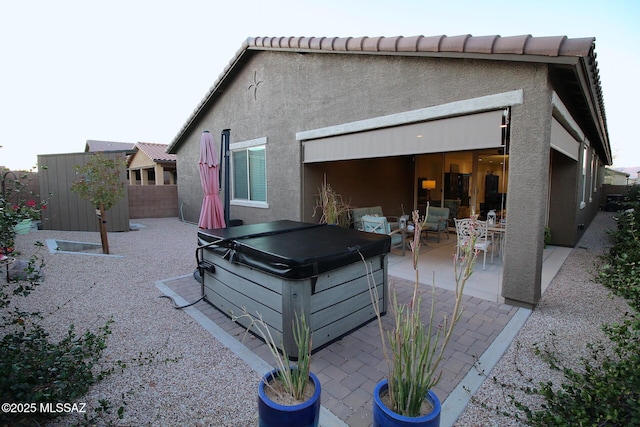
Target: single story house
column 616, row 177
column 150, row 164
column 511, row 124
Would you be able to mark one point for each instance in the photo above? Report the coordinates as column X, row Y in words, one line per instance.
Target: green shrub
column 34, row 368
column 547, row 236
column 621, row 270
column 604, row 390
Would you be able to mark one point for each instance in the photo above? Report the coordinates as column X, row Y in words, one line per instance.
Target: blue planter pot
column 385, row 417
column 272, row 414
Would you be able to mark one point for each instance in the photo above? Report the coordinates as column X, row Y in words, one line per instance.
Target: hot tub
column 282, row 268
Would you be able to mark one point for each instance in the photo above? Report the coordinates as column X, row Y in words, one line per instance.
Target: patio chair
column 437, row 221
column 466, row 228
column 358, row 213
column 380, row 225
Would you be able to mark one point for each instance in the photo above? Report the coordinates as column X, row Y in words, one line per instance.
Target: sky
column 134, row 70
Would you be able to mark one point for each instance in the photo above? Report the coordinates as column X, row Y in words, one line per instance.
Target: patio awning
column 468, row 132
column 563, row 141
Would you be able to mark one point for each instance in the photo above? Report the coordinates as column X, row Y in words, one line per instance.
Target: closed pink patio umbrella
column 212, row 213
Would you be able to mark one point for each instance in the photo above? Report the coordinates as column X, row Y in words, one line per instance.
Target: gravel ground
column 187, row 377
column 569, row 316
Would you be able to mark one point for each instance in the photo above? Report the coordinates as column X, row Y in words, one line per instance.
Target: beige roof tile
column 408, row 44
column 514, row 44
column 355, row 43
column 429, row 44
column 454, row 44
column 371, row 44
column 576, row 47
column 389, row 44
column 315, row 42
column 481, row 44
column 156, row 152
column 517, row 48
column 546, row 46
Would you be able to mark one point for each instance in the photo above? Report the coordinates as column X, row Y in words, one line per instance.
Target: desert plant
column 416, row 351
column 294, row 380
column 332, row 205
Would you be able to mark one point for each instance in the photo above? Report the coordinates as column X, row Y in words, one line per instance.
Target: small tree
column 99, row 183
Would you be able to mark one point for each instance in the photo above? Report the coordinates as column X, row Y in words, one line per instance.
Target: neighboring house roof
column 617, row 172
column 94, row 146
column 616, row 177
column 573, row 61
column 156, row 152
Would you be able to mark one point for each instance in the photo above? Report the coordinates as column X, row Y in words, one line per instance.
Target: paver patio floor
column 350, row 367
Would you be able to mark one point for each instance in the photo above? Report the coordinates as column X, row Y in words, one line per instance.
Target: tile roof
column 156, row 152
column 519, row 45
column 573, row 61
column 95, row 146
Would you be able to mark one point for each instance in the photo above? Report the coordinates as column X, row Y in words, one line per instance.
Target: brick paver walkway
column 350, row 367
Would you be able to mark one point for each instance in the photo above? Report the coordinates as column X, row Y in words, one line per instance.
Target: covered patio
column 436, row 263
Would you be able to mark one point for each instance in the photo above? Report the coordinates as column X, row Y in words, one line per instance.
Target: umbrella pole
column 226, row 133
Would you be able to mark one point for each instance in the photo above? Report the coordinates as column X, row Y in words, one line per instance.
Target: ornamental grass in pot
column 413, row 351
column 289, row 395
column 334, row 209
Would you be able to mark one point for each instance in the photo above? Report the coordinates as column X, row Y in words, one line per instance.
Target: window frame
column 594, row 173
column 246, row 146
column 585, row 171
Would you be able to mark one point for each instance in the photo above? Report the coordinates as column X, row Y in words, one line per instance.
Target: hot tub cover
column 294, row 250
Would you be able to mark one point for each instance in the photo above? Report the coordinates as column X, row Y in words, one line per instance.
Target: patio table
column 498, row 232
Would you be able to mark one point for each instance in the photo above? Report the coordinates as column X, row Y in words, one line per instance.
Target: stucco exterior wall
column 141, row 160
column 529, row 156
column 299, row 92
column 564, row 200
column 190, row 194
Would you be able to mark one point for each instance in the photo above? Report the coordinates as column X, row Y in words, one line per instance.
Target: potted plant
column 414, row 352
column 289, row 395
column 16, row 213
column 334, row 210
column 24, row 214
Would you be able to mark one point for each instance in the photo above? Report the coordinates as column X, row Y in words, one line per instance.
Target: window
column 585, row 167
column 594, row 172
column 249, row 173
